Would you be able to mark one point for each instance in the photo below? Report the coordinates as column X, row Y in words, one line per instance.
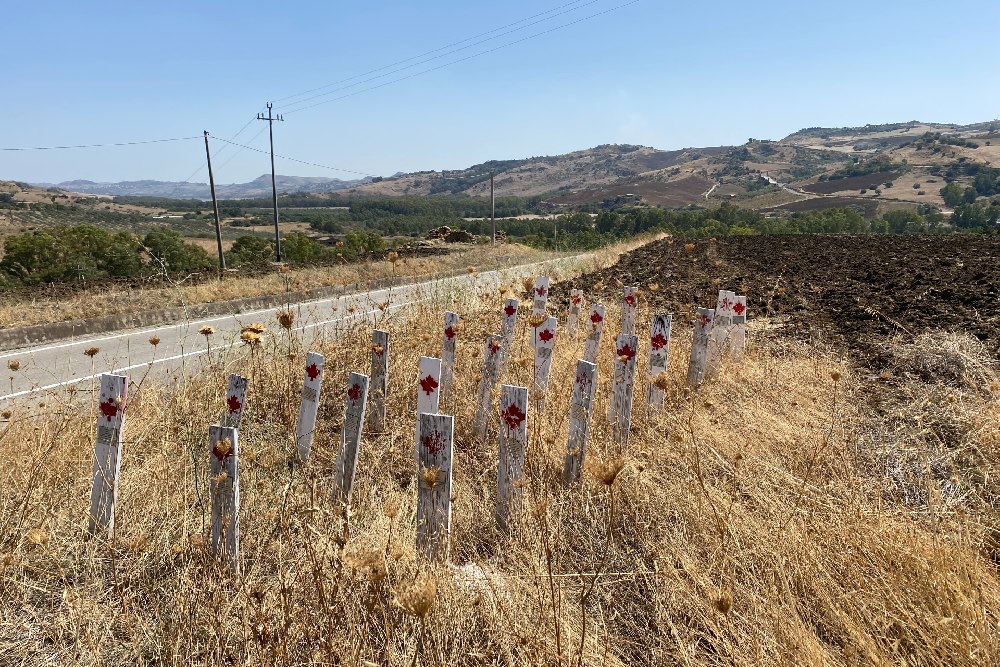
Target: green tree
column 952, row 194
column 250, row 250
column 167, row 246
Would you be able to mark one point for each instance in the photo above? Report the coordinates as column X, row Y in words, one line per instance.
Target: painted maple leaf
column 512, row 416
column 630, row 299
column 725, row 303
column 703, row 320
column 494, row 348
column 234, row 404
column 739, row 309
column 595, row 317
column 583, row 379
column 109, row 409
column 626, row 352
column 354, row 393
column 510, row 310
column 312, row 370
column 428, row 384
column 546, row 335
column 449, row 332
column 432, row 442
column 540, row 290
column 576, row 299
column 658, row 341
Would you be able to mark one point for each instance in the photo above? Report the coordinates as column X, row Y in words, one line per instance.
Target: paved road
column 56, row 366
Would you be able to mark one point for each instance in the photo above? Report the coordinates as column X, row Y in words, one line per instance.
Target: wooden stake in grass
column 739, row 335
column 513, row 452
column 225, row 493
column 595, row 323
column 448, row 353
column 540, row 296
column 236, row 394
column 305, row 425
column 435, row 438
column 108, row 452
column 428, row 387
column 508, row 327
column 719, row 343
column 659, row 353
column 699, row 346
column 623, row 386
column 545, row 341
column 379, row 387
column 355, row 403
column 580, row 409
column 630, row 310
column 575, row 304
column 492, row 351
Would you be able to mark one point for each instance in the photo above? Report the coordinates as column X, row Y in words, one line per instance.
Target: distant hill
column 259, row 187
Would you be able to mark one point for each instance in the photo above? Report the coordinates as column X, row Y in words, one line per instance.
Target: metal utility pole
column 215, row 207
column 274, row 188
column 493, row 210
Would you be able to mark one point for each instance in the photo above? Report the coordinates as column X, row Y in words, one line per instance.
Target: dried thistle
column 393, row 257
column 38, row 537
column 537, row 319
column 529, row 284
column 653, row 287
column 418, row 598
column 606, row 472
column 206, row 331
column 286, row 318
column 256, row 327
column 371, row 563
column 688, row 247
column 431, row 476
column 6, row 414
column 391, row 508
column 835, row 376
column 14, row 365
column 92, row 351
column 598, row 286
column 661, row 381
column 725, row 601
column 472, row 271
column 250, row 338
column 154, row 340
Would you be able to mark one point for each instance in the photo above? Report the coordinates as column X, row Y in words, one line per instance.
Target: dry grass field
column 763, row 520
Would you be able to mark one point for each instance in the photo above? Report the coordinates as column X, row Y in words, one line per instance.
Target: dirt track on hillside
column 848, row 292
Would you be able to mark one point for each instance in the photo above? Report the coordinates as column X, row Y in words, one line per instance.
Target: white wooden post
column 428, row 388
column 355, row 403
column 540, row 296
column 630, row 310
column 699, row 346
column 488, row 380
column 435, row 435
column 545, row 341
column 108, row 452
column 508, row 327
column 659, row 353
column 448, row 353
column 580, row 408
column 623, row 385
column 379, row 386
column 236, row 395
column 575, row 304
column 513, row 452
column 739, row 337
column 305, row 425
column 225, row 493
column 719, row 343
column 595, row 322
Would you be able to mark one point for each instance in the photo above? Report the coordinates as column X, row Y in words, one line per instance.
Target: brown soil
column 850, row 292
column 852, row 183
column 866, row 207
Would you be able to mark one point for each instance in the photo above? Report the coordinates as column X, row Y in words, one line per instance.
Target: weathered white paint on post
column 379, row 385
column 699, row 346
column 305, row 425
column 508, row 327
column 487, row 381
column 108, row 452
column 513, row 452
column 659, row 354
column 435, row 435
column 722, row 325
column 540, row 296
column 225, row 493
column 545, row 341
column 428, row 388
column 448, row 353
column 575, row 304
column 355, row 403
column 623, row 385
column 630, row 310
column 580, row 409
column 236, row 395
column 739, row 335
column 595, row 324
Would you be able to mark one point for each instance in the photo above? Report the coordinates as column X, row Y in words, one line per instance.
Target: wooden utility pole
column 215, row 207
column 493, row 210
column 274, row 188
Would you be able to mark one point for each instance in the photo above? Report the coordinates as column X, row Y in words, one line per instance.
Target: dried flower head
column 661, row 381
column 38, row 537
column 371, row 563
column 688, row 247
column 378, row 349
column 537, row 319
column 835, row 376
column 6, row 414
column 206, row 331
column 250, row 338
column 92, row 351
column 598, row 286
column 14, row 365
column 431, row 476
column 528, row 282
column 256, row 327
column 472, row 271
column 286, row 318
column 653, row 287
column 606, row 472
column 393, row 257
column 417, row 599
column 154, row 340
column 391, row 508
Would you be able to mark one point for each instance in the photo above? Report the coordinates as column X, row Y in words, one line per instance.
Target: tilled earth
column 849, row 292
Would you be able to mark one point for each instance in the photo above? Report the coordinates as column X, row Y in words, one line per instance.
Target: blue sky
column 655, row 72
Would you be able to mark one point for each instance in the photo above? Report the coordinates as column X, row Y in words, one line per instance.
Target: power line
column 474, row 55
column 292, row 159
column 120, row 143
column 442, row 55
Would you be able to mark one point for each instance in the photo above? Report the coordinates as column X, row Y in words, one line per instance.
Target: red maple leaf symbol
column 703, row 320
column 494, row 348
column 540, row 290
column 354, row 393
column 546, row 336
column 219, row 455
column 576, row 300
column 109, row 409
column 312, row 370
column 432, row 442
column 449, row 332
column 626, row 351
column 595, row 317
column 582, row 379
column 234, row 404
column 630, row 299
column 739, row 308
column 725, row 303
column 512, row 416
column 510, row 310
column 428, row 384
column 658, row 341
